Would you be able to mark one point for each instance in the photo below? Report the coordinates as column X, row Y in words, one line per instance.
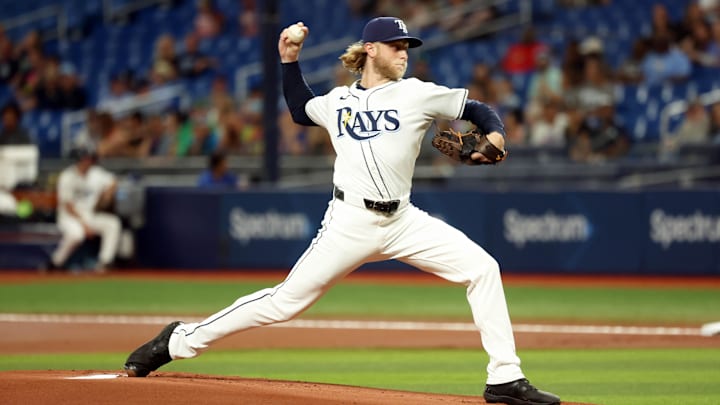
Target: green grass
column 611, row 377
column 443, row 301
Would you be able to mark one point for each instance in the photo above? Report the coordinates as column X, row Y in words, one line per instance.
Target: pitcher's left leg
column 436, row 247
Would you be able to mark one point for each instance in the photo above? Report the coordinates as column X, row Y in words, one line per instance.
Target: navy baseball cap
column 388, row 29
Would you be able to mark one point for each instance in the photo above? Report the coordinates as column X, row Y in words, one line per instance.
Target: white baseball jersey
column 377, row 133
column 83, row 192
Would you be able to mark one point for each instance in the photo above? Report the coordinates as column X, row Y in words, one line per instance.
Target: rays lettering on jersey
column 363, row 125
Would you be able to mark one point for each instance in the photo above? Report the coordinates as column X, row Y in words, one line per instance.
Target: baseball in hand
column 295, row 34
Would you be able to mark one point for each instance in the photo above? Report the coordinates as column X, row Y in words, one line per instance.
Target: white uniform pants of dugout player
column 350, row 236
column 107, row 226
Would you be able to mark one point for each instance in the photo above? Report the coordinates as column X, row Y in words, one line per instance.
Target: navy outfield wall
column 673, row 233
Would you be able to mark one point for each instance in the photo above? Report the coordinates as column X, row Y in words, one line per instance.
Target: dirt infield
column 111, row 388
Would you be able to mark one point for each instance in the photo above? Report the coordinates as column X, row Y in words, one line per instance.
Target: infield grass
column 347, row 300
column 610, row 377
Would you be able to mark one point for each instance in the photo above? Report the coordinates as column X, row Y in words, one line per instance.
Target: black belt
column 387, row 207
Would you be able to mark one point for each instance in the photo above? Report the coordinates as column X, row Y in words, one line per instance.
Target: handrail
column 683, row 176
column 680, row 107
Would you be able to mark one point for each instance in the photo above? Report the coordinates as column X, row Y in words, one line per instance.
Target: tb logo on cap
column 402, row 26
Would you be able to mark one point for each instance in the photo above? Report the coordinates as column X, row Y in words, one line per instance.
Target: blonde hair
column 354, row 58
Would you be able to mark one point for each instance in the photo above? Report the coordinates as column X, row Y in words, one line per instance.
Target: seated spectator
column 8, row 61
column 596, row 88
column 119, row 94
column 549, row 128
column 698, row 45
column 178, row 129
column 514, row 128
column 217, row 174
column 204, row 138
column 694, row 130
column 58, row 88
column 715, row 122
column 28, row 78
column 86, row 191
column 71, row 90
column 630, row 70
column 192, row 62
column 248, row 19
column 598, row 137
column 520, row 57
column 665, row 62
column 165, row 61
column 546, row 83
column 662, row 25
column 12, row 132
column 208, row 21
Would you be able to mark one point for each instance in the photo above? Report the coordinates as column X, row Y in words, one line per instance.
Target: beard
column 388, row 69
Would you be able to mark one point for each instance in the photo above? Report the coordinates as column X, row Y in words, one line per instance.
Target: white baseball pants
column 106, row 225
column 351, row 236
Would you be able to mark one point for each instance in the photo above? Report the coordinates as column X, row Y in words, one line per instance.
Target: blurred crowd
column 569, row 103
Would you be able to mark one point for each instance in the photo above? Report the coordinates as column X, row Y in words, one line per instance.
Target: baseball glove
column 459, row 146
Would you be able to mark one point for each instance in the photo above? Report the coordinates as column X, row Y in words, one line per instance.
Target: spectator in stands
column 205, row 140
column 662, row 25
column 113, row 140
column 665, row 62
column 178, row 129
column 217, row 174
column 8, row 61
column 694, row 130
column 520, row 57
column 119, row 92
column 504, row 95
column 596, row 89
column 192, row 62
column 698, row 45
column 693, row 16
column 599, row 136
column 248, row 19
column 292, row 136
column 231, row 130
column 28, row 78
column 165, row 62
column 630, row 70
column 251, row 113
column 58, row 88
column 208, row 21
column 86, row 193
column 12, row 132
column 514, row 128
column 573, row 64
column 548, row 130
column 715, row 123
column 546, row 83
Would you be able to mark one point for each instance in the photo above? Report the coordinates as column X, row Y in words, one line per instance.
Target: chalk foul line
column 372, row 325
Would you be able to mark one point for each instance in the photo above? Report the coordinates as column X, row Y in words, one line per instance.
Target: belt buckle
column 387, row 207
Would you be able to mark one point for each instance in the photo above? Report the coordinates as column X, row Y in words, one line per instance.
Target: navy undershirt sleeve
column 483, row 116
column 297, row 93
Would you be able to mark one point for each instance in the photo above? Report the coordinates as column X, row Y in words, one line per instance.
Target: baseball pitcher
column 376, row 126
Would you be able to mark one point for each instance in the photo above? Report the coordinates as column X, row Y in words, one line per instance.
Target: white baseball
column 296, row 34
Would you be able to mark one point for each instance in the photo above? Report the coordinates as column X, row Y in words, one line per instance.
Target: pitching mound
column 110, row 388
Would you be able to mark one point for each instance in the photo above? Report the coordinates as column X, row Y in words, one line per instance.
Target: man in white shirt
column 83, row 190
